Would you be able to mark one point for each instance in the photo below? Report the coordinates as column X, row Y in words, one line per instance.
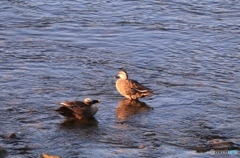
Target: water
column 187, row 52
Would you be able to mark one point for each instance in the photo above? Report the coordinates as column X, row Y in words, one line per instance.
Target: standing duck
column 129, row 88
column 78, row 109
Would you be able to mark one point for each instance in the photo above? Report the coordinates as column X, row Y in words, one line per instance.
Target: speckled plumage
column 79, row 109
column 130, row 88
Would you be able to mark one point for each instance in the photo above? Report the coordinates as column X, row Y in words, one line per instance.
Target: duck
column 78, row 109
column 129, row 88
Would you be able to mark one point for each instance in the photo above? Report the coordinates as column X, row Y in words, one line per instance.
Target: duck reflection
column 92, row 121
column 83, row 128
column 127, row 108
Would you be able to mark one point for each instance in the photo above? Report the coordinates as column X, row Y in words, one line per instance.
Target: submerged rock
column 3, row 152
column 216, row 144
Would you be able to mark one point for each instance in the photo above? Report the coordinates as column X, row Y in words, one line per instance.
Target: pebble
column 12, row 135
column 44, row 155
column 142, row 146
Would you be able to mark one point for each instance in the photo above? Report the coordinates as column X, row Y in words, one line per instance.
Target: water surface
column 187, row 52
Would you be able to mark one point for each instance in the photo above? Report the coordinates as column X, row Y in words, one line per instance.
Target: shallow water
column 187, row 52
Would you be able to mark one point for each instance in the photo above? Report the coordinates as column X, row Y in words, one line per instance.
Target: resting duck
column 78, row 109
column 130, row 89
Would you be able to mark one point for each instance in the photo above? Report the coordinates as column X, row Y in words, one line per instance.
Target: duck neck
column 94, row 109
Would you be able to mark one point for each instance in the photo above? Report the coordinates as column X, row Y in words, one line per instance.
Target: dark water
column 188, row 52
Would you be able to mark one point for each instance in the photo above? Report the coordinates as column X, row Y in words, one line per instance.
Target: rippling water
column 188, row 52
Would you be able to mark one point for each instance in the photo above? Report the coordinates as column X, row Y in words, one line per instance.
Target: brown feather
column 130, row 88
column 77, row 109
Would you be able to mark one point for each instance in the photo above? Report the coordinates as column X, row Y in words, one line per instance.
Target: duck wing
column 65, row 111
column 138, row 87
column 73, row 109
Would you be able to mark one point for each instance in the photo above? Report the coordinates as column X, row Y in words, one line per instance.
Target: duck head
column 122, row 74
column 89, row 101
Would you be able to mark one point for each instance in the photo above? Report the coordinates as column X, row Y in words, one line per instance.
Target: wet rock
column 12, row 135
column 219, row 144
column 44, row 155
column 3, row 152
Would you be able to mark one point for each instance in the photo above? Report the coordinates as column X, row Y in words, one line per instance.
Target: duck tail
column 65, row 112
column 144, row 92
column 147, row 93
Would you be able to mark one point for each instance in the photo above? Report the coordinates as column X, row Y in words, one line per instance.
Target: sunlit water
column 187, row 52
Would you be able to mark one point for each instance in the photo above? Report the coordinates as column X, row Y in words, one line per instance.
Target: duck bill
column 96, row 101
column 116, row 77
